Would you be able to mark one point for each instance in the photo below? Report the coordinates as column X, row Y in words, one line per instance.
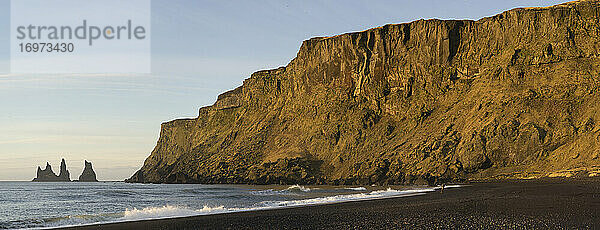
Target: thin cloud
column 68, row 75
column 72, row 138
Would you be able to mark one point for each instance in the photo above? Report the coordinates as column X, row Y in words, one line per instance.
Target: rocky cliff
column 88, row 174
column 515, row 95
column 47, row 175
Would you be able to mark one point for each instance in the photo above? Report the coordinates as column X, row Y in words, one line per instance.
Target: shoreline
column 549, row 203
column 375, row 194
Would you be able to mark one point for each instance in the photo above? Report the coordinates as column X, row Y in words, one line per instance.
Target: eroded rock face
column 47, row 175
column 509, row 96
column 64, row 174
column 88, row 174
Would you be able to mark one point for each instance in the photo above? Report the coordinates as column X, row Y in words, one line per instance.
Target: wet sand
column 540, row 204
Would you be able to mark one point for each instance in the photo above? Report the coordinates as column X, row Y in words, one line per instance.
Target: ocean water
column 49, row 205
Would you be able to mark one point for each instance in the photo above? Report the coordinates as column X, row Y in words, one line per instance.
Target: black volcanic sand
column 547, row 204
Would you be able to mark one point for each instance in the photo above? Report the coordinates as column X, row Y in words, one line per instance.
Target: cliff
column 515, row 95
column 47, row 175
column 88, row 174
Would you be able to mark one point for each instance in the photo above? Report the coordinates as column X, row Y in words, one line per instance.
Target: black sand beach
column 540, row 204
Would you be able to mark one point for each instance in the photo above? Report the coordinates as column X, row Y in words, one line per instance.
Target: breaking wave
column 357, row 189
column 291, row 190
column 299, row 188
column 169, row 211
column 349, row 197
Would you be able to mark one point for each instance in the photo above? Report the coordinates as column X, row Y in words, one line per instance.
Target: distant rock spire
column 88, row 174
column 64, row 174
column 47, row 175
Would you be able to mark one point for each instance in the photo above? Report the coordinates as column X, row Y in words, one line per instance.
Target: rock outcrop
column 516, row 95
column 47, row 175
column 64, row 174
column 88, row 174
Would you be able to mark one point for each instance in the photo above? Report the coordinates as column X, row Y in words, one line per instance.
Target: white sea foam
column 450, row 186
column 169, row 211
column 350, row 197
column 300, row 188
column 357, row 189
column 291, row 190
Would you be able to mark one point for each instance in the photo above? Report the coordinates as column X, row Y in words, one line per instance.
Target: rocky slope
column 515, row 95
column 47, row 175
column 88, row 174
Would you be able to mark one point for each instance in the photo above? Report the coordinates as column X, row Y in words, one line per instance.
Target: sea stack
column 88, row 174
column 47, row 175
column 64, row 174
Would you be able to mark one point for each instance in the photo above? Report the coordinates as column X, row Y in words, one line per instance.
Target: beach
column 537, row 204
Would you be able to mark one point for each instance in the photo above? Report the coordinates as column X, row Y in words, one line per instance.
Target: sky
column 199, row 49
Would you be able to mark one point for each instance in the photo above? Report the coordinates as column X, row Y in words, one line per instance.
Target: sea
column 36, row 205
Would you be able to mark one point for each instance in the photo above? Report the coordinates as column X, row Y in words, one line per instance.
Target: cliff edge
column 515, row 95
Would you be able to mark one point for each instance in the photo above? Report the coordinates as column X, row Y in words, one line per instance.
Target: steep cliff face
column 510, row 96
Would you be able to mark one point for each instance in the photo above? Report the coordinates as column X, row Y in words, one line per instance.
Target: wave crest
column 349, row 197
column 357, row 189
column 291, row 190
column 299, row 188
column 169, row 211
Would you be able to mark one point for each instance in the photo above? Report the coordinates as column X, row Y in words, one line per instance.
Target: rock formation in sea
column 88, row 174
column 515, row 95
column 47, row 175
column 64, row 174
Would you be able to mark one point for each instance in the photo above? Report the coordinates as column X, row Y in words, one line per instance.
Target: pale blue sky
column 199, row 49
